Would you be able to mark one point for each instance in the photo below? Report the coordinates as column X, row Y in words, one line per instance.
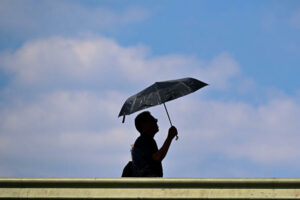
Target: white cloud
column 220, row 70
column 59, row 61
column 60, row 110
column 83, row 129
column 62, row 128
column 264, row 134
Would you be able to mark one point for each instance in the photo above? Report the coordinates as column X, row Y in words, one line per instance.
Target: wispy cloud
column 295, row 18
column 37, row 18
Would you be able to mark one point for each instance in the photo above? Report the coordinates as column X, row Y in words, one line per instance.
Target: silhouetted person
column 146, row 157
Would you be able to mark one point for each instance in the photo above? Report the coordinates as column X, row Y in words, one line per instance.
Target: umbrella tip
column 123, row 119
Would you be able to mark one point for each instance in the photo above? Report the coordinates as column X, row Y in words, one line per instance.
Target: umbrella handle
column 169, row 118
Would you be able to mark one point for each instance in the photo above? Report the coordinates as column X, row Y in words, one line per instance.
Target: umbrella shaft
column 168, row 114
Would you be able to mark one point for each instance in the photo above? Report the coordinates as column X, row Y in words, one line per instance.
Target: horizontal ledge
column 149, row 188
column 150, row 182
column 67, row 193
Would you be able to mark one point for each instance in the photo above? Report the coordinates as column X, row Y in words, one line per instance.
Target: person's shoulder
column 143, row 140
column 138, row 140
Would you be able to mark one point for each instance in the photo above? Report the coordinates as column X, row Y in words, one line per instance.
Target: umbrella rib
column 186, row 86
column 158, row 93
column 131, row 108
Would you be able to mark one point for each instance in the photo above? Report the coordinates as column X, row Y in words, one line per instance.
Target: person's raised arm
column 162, row 152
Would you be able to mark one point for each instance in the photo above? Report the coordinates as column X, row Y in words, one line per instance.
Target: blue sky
column 67, row 67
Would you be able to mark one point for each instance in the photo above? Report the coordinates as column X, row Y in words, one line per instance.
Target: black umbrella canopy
column 159, row 93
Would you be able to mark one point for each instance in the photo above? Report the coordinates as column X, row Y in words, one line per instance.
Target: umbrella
column 159, row 93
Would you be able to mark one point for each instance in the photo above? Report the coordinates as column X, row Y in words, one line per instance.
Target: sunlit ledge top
column 150, row 188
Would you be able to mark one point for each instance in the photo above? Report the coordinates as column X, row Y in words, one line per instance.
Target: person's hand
column 172, row 132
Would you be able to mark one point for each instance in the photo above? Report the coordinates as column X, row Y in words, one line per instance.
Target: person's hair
column 140, row 119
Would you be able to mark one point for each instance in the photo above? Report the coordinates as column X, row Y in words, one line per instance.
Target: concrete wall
column 148, row 188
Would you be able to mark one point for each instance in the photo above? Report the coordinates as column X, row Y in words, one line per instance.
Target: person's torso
column 144, row 148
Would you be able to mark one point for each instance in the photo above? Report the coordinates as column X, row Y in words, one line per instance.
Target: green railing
column 149, row 188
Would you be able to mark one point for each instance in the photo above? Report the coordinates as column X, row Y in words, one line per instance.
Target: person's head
column 145, row 123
